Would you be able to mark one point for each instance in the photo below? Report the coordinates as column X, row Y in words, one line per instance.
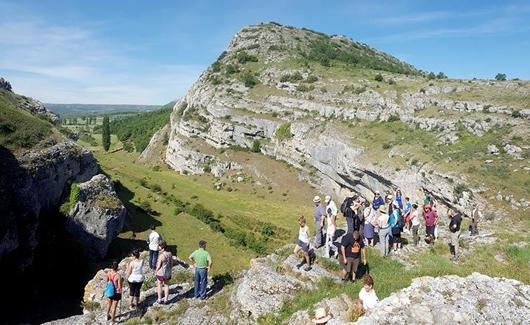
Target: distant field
column 97, row 108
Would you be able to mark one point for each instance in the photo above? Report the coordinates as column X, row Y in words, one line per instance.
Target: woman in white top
column 367, row 295
column 303, row 244
column 382, row 223
column 330, row 232
column 415, row 215
column 135, row 277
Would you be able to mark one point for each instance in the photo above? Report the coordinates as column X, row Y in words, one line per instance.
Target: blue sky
column 150, row 52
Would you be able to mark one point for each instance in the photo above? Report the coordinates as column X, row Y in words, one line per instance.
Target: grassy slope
column 18, row 128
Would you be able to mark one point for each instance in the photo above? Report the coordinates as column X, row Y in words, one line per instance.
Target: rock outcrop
column 97, row 217
column 476, row 299
column 32, row 184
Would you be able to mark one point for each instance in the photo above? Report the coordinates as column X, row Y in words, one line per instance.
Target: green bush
column 311, row 79
column 387, row 146
column 297, row 76
column 231, row 69
column 243, row 57
column 500, row 77
column 394, row 118
column 249, row 79
column 283, row 132
column 378, row 77
column 256, row 146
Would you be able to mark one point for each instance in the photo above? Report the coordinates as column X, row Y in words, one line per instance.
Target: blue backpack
column 110, row 290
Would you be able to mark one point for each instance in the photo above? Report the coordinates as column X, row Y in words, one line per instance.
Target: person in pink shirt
column 431, row 219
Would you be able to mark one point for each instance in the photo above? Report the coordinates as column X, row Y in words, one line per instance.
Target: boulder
column 97, row 217
column 513, row 151
column 492, row 149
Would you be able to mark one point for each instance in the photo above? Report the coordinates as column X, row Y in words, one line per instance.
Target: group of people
column 381, row 221
column 161, row 264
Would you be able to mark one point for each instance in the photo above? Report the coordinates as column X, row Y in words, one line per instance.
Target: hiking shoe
column 299, row 265
column 308, row 268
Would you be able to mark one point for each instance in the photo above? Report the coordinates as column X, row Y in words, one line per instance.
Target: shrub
column 391, row 82
column 256, row 146
column 297, row 76
column 500, row 77
column 267, row 231
column 441, row 75
column 431, row 76
column 216, row 66
column 378, row 77
column 312, row 79
column 156, row 188
column 283, row 132
column 394, row 118
column 387, row 146
column 304, row 88
column 249, row 79
column 231, row 69
column 243, row 57
column 516, row 114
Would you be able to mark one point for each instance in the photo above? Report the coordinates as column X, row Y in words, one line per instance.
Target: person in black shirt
column 352, row 248
column 454, row 228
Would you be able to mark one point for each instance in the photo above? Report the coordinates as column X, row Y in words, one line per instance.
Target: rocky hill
column 350, row 117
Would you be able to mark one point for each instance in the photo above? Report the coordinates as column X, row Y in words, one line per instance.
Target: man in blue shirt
column 378, row 201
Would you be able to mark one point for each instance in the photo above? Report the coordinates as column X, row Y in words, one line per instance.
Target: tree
column 500, row 77
column 441, row 75
column 431, row 76
column 4, row 84
column 105, row 137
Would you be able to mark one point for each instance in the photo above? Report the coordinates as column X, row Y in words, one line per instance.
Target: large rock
column 33, row 183
column 476, row 299
column 97, row 217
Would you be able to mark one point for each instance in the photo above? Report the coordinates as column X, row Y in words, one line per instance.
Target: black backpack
column 345, row 205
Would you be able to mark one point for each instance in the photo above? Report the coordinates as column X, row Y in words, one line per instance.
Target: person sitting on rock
column 202, row 262
column 302, row 245
column 454, row 228
column 164, row 266
column 352, row 248
column 114, row 280
column 135, row 277
column 367, row 297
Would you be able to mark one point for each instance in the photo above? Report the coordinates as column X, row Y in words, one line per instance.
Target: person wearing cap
column 203, row 263
column 378, row 201
column 320, row 215
column 321, row 316
column 431, row 219
column 382, row 223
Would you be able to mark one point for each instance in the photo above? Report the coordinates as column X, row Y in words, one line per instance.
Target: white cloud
column 72, row 64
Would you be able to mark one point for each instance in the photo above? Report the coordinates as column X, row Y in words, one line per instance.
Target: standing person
column 367, row 295
column 476, row 215
column 330, row 204
column 399, row 199
column 378, row 201
column 303, row 244
column 153, row 240
column 320, row 215
column 431, row 219
column 352, row 219
column 382, row 223
column 330, row 232
column 203, row 263
column 135, row 277
column 426, row 198
column 395, row 228
column 164, row 265
column 415, row 223
column 368, row 230
column 389, row 204
column 407, row 213
column 113, row 280
column 454, row 228
column 352, row 248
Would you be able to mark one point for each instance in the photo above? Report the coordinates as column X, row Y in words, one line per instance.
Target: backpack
column 110, row 290
column 345, row 204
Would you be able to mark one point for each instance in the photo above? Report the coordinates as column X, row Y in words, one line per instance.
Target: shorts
column 161, row 278
column 351, row 264
column 134, row 289
column 303, row 246
column 454, row 238
column 116, row 297
column 430, row 230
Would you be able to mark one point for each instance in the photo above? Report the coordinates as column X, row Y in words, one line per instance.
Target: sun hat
column 377, row 192
column 389, row 196
column 328, row 198
column 382, row 209
column 316, row 199
column 321, row 316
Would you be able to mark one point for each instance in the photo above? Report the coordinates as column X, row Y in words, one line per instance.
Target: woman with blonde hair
column 303, row 244
column 164, row 266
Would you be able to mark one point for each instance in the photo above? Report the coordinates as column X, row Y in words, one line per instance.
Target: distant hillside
column 139, row 129
column 98, row 108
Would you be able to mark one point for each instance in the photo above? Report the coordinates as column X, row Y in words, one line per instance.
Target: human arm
column 209, row 263
column 343, row 251
column 192, row 259
column 363, row 254
column 129, row 269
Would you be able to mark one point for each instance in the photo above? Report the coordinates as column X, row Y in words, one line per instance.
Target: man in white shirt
column 153, row 240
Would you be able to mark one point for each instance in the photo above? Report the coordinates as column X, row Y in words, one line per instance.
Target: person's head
column 114, row 265
column 163, row 245
column 367, row 203
column 389, row 198
column 377, row 194
column 301, row 221
column 316, row 200
column 415, row 205
column 328, row 199
column 426, row 208
column 368, row 282
column 356, row 235
column 398, row 192
column 153, row 227
column 321, row 316
column 407, row 199
column 202, row 244
column 136, row 253
column 382, row 209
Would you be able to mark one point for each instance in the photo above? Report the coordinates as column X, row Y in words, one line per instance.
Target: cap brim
column 322, row 320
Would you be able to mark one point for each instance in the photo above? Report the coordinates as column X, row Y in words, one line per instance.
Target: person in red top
column 431, row 219
column 115, row 277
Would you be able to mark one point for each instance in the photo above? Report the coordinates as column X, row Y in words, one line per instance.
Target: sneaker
column 308, row 268
column 299, row 265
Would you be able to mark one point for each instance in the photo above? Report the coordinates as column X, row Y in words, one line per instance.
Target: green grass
column 19, row 128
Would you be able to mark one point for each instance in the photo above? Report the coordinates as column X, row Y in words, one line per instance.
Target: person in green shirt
column 203, row 263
